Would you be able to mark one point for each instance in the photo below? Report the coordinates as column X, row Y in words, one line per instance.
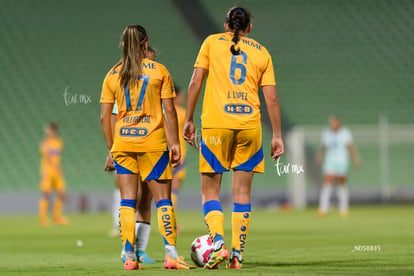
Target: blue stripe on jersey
column 159, row 167
column 211, row 159
column 127, row 98
column 250, row 164
column 143, row 90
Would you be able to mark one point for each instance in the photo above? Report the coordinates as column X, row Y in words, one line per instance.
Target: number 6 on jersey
column 240, row 66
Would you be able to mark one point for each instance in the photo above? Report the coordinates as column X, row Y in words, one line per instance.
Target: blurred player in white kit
column 336, row 148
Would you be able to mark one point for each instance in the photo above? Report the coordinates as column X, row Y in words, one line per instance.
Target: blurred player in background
column 336, row 145
column 231, row 134
column 51, row 176
column 139, row 144
column 143, row 221
column 179, row 172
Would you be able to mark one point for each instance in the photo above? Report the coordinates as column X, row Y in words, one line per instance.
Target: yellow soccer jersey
column 140, row 126
column 181, row 119
column 51, row 152
column 231, row 97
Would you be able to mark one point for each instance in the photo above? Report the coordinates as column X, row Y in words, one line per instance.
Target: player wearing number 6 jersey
column 139, row 145
column 231, row 135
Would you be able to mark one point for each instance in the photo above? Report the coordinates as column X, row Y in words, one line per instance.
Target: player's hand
column 175, row 155
column 109, row 165
column 277, row 148
column 189, row 132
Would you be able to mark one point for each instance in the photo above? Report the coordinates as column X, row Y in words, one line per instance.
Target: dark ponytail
column 132, row 41
column 238, row 19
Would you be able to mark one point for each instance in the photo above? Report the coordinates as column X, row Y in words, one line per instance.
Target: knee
column 62, row 196
column 46, row 195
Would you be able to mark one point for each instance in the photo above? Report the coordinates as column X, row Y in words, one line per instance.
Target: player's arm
column 356, row 159
column 47, row 159
column 171, row 127
column 107, row 104
column 167, row 131
column 106, row 113
column 109, row 166
column 273, row 108
column 194, row 89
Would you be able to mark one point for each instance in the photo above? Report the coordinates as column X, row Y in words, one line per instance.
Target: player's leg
column 248, row 158
column 60, row 187
column 143, row 223
column 45, row 187
column 343, row 196
column 127, row 218
column 116, row 200
column 325, row 194
column 43, row 209
column 212, row 210
column 242, row 183
column 179, row 174
column 156, row 170
column 58, row 218
column 126, row 166
column 176, row 186
column 215, row 157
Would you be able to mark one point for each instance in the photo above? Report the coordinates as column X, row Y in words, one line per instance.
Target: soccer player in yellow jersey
column 231, row 134
column 51, row 176
column 144, row 197
column 139, row 144
column 179, row 172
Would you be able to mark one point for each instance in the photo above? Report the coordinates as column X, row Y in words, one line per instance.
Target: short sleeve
column 348, row 137
column 115, row 109
column 167, row 88
column 202, row 60
column 107, row 96
column 268, row 76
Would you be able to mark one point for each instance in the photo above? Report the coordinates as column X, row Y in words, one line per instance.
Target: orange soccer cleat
column 218, row 256
column 131, row 264
column 179, row 263
column 61, row 220
column 235, row 261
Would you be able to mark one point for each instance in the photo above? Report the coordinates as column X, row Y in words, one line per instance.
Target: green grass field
column 280, row 243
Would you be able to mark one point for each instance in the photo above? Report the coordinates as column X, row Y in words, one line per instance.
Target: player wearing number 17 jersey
column 231, row 134
column 139, row 145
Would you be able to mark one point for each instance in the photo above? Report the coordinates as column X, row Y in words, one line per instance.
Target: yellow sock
column 127, row 223
column 57, row 208
column 240, row 226
column 166, row 221
column 43, row 208
column 214, row 219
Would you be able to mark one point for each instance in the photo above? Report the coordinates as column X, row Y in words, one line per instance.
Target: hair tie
column 145, row 38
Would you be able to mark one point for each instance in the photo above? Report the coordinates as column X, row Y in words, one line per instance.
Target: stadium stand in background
column 351, row 58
